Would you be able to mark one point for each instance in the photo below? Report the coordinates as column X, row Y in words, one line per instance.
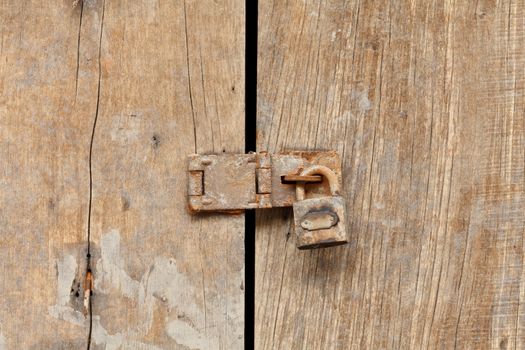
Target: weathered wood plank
column 163, row 80
column 44, row 139
column 171, row 85
column 425, row 102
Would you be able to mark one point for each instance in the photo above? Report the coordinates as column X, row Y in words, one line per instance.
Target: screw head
column 205, row 161
column 207, row 201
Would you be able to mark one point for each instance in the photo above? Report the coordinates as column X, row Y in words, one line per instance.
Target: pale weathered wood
column 425, row 102
column 163, row 79
column 44, row 139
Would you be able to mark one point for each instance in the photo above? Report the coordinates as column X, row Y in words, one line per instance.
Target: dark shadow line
column 251, row 28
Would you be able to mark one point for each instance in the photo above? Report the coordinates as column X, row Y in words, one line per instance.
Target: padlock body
column 320, row 222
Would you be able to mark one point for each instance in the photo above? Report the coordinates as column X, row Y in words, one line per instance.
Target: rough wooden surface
column 425, row 102
column 163, row 79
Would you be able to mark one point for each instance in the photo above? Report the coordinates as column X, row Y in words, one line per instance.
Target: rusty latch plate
column 232, row 182
column 225, row 182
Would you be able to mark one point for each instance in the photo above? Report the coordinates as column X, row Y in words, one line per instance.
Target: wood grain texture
column 162, row 79
column 425, row 102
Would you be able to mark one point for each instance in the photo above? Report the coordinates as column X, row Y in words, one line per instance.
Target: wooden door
column 425, row 102
column 100, row 104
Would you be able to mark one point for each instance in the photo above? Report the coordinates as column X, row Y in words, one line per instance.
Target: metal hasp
column 229, row 182
column 233, row 182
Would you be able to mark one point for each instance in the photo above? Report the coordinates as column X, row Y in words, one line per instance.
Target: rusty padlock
column 320, row 222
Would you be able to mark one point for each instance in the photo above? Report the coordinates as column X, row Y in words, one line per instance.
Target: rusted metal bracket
column 233, row 182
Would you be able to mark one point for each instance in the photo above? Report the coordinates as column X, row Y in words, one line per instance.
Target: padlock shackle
column 318, row 170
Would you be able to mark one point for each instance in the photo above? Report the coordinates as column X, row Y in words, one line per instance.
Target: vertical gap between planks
column 251, row 19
